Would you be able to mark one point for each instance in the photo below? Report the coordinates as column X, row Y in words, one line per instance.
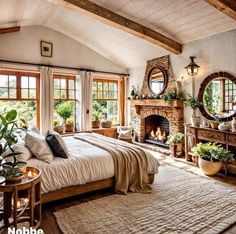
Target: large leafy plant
column 175, row 138
column 98, row 109
column 212, row 152
column 194, row 103
column 65, row 110
column 8, row 124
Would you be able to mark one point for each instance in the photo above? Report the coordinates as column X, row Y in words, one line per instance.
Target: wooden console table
column 199, row 134
column 108, row 132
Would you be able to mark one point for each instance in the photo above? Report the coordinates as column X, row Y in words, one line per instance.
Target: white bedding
column 86, row 163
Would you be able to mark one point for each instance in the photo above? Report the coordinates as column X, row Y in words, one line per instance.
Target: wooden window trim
column 19, row 74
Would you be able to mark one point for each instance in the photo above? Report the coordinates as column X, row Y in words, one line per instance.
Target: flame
column 158, row 134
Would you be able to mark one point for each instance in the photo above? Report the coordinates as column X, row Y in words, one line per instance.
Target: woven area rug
column 181, row 202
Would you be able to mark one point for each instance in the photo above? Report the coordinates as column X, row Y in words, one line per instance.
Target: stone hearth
column 141, row 109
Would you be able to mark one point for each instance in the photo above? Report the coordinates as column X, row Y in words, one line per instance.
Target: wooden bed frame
column 80, row 189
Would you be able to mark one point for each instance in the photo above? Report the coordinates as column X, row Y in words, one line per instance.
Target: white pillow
column 19, row 148
column 39, row 147
column 125, row 133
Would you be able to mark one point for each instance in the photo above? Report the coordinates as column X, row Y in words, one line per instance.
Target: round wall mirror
column 218, row 95
column 157, row 80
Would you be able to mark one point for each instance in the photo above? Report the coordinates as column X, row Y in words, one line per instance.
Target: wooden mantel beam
column 115, row 20
column 226, row 6
column 9, row 30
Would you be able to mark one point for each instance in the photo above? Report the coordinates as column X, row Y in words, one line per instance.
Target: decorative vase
column 224, row 126
column 209, row 167
column 214, row 124
column 106, row 124
column 69, row 127
column 233, row 124
column 177, row 149
column 195, row 121
column 59, row 129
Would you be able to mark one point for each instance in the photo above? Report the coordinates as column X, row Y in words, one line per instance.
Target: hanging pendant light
column 192, row 68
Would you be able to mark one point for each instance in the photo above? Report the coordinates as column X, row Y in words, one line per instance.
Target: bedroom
column 99, row 70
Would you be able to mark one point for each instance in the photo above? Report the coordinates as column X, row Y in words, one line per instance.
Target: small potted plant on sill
column 211, row 157
column 176, row 141
column 10, row 170
column 194, row 104
column 69, row 125
column 96, row 114
column 65, row 110
column 133, row 93
column 57, row 126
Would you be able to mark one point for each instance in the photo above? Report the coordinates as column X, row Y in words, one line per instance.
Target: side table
column 22, row 200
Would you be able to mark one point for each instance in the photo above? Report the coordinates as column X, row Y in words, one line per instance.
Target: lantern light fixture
column 192, row 68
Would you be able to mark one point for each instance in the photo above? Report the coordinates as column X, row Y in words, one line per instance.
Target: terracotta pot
column 106, row 124
column 209, row 167
column 177, row 149
column 59, row 129
column 69, row 127
column 96, row 123
column 195, row 121
column 214, row 125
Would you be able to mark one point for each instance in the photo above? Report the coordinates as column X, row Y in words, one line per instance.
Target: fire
column 158, row 134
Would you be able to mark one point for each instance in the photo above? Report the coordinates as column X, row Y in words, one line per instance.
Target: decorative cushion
column 57, row 144
column 125, row 133
column 38, row 145
column 19, row 148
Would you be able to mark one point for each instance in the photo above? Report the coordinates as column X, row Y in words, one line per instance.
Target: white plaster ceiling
column 182, row 20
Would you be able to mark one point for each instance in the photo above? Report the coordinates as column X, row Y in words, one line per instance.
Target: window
column 20, row 91
column 64, row 92
column 106, row 95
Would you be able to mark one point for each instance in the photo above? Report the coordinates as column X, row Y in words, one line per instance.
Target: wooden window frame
column 120, row 95
column 18, row 75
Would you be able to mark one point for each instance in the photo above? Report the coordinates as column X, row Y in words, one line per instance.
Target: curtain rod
column 62, row 67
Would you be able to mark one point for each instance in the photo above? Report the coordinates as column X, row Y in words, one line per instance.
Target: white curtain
column 126, row 107
column 85, row 100
column 46, row 99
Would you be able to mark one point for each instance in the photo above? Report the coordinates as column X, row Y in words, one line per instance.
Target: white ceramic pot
column 209, row 167
column 195, row 121
column 224, row 126
column 233, row 124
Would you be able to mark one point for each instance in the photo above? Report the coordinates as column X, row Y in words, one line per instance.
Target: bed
column 87, row 168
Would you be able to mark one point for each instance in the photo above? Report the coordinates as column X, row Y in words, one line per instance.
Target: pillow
column 37, row 144
column 19, row 148
column 125, row 133
column 57, row 144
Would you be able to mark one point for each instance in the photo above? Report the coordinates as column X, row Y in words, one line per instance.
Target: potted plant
column 57, row 126
column 176, row 141
column 194, row 104
column 69, row 125
column 11, row 170
column 106, row 124
column 133, row 92
column 65, row 110
column 96, row 114
column 211, row 156
column 215, row 124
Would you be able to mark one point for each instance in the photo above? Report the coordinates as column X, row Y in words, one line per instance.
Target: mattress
column 86, row 163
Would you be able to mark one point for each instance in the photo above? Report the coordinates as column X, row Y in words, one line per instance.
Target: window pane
column 63, row 94
column 105, row 86
column 71, row 94
column 71, row 84
column 57, row 94
column 3, row 93
column 95, row 95
column 99, row 86
column 12, row 81
column 32, row 93
column 63, row 84
column 32, row 82
column 3, row 81
column 24, row 82
column 24, row 93
column 105, row 95
column 12, row 93
column 112, row 112
column 56, row 83
column 111, row 95
column 112, row 86
column 99, row 95
column 94, row 85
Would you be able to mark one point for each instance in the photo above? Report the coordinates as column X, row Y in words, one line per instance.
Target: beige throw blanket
column 130, row 163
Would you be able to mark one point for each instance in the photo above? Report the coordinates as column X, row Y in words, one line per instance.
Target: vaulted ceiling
column 182, row 20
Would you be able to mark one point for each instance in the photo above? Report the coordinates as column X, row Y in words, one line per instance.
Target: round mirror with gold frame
column 218, row 95
column 157, row 80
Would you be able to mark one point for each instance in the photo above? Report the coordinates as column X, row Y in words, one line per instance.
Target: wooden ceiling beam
column 119, row 22
column 228, row 7
column 9, row 30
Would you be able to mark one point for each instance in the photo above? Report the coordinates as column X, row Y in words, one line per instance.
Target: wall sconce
column 192, row 68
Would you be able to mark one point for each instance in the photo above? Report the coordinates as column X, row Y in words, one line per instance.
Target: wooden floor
column 49, row 224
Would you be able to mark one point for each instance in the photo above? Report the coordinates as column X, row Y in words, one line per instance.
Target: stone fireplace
column 156, row 115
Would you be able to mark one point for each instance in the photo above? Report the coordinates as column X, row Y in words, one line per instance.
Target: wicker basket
column 106, row 124
column 59, row 129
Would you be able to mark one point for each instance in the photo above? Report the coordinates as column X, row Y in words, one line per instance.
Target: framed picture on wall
column 46, row 49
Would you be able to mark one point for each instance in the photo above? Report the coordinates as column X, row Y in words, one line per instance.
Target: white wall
column 216, row 53
column 25, row 46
